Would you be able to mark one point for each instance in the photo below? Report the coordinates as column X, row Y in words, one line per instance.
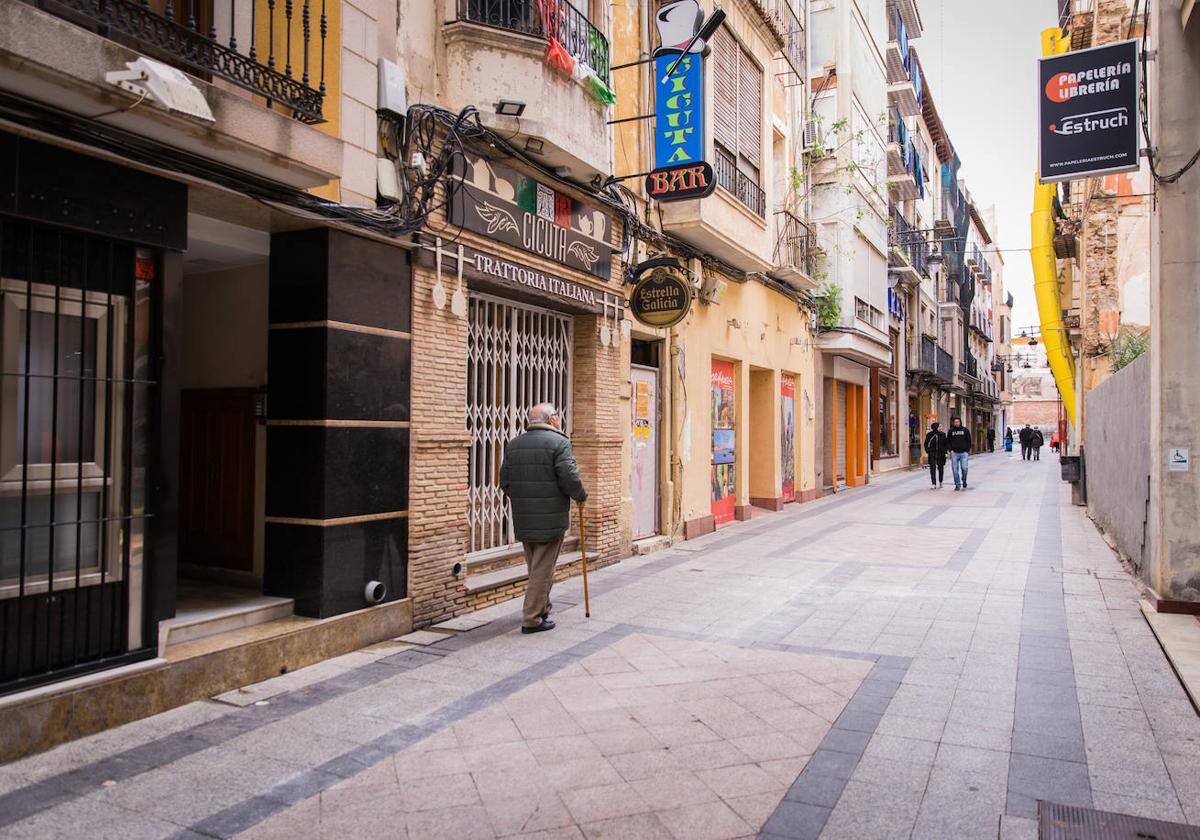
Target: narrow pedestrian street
column 893, row 661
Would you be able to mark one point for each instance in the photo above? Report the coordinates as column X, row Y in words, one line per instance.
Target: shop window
column 888, row 416
column 57, row 433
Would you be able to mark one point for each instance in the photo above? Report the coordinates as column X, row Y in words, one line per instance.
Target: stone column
column 1174, row 526
column 338, row 420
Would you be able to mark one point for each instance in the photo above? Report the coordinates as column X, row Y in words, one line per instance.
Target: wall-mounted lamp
column 535, row 145
column 510, row 107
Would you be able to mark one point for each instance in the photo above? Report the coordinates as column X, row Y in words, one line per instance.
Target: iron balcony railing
column 909, row 242
column 969, row 367
column 788, row 23
column 796, row 244
column 945, row 365
column 272, row 48
column 556, row 19
column 739, row 183
column 897, row 130
column 927, row 358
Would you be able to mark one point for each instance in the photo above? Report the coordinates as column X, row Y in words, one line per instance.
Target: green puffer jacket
column 540, row 478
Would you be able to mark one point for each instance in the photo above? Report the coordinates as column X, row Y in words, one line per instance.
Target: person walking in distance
column 958, row 441
column 991, row 440
column 1008, row 436
column 1025, row 436
column 540, row 477
column 1036, row 442
column 935, row 448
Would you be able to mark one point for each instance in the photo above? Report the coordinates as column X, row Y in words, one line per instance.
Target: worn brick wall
column 1040, row 413
column 597, row 435
column 438, row 461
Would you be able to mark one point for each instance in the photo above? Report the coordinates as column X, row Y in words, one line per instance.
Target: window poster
column 723, row 448
column 787, row 431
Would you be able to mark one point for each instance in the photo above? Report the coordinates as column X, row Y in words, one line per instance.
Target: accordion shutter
column 749, row 109
column 725, row 52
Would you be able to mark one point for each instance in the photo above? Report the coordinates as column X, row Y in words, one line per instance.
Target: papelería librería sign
column 661, row 295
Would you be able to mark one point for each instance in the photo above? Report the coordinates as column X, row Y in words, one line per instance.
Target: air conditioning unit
column 812, row 135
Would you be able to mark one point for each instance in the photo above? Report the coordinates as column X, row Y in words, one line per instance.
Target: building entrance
column 517, row 356
column 76, row 377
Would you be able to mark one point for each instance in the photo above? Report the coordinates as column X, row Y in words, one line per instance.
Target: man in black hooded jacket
column 935, row 448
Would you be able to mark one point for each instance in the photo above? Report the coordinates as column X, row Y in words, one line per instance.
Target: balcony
column 907, row 93
column 898, row 142
column 730, row 224
column 281, row 58
column 496, row 49
column 790, row 31
column 969, row 368
column 909, row 14
column 907, row 183
column 264, row 84
column 909, row 250
column 933, row 363
column 896, row 56
column 795, row 251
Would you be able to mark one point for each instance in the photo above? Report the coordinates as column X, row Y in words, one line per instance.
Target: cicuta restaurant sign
column 680, row 169
column 497, row 201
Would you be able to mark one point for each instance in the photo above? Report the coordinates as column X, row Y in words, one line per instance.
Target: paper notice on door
column 641, row 402
column 1177, row 459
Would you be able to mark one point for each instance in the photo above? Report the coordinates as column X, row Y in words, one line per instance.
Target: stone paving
column 892, row 661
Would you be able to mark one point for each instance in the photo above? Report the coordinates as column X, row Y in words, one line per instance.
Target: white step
column 190, row 625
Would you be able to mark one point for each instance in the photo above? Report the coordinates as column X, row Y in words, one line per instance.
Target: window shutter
column 725, row 106
column 749, row 102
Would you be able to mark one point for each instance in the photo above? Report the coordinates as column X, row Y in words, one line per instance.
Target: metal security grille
column 75, row 332
column 517, row 356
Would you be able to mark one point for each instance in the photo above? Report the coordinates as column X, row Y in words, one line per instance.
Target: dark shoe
column 546, row 624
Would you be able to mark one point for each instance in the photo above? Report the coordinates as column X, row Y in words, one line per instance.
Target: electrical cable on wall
column 1144, row 102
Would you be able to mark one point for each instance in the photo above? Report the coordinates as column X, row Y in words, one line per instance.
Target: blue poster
column 679, row 111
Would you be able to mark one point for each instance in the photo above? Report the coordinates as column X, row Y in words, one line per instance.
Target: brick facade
column 440, row 442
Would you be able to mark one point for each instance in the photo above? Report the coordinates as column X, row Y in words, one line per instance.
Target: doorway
column 643, row 446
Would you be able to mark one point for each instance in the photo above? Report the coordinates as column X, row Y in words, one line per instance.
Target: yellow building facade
column 721, row 409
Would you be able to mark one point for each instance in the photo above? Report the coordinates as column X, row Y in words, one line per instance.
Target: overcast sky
column 980, row 58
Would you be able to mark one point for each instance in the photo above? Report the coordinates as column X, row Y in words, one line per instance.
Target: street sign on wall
column 1089, row 119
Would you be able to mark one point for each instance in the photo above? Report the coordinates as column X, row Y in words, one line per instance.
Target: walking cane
column 587, row 606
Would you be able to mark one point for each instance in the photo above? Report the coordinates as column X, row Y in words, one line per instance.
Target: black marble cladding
column 328, row 472
column 329, row 469
column 326, row 569
column 323, row 274
column 366, row 376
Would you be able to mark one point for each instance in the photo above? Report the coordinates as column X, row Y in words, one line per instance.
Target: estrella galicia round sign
column 662, row 298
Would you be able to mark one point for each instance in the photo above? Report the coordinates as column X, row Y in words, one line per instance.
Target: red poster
column 787, row 432
column 723, row 445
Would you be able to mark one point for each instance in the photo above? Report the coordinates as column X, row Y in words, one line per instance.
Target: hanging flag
column 601, row 91
column 558, row 57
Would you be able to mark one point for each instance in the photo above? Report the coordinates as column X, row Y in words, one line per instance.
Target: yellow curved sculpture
column 1045, row 269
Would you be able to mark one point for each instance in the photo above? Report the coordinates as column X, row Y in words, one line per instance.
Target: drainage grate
column 1068, row 822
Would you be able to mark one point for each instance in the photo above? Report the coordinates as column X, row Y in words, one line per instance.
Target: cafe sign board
column 496, row 200
column 661, row 296
column 1089, row 120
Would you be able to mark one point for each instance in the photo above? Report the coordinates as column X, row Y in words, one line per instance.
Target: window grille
column 517, row 356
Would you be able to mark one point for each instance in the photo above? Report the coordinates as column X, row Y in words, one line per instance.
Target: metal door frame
column 490, row 529
column 658, row 470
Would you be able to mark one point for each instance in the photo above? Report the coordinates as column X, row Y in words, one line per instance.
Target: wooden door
column 216, row 477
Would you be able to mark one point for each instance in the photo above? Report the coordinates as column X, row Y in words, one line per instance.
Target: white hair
column 542, row 412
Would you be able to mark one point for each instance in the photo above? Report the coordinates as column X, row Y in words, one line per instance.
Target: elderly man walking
column 540, row 478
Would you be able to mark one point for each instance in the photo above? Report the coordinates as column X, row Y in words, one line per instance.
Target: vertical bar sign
column 680, row 169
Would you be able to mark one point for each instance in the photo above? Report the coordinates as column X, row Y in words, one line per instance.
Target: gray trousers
column 540, row 558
